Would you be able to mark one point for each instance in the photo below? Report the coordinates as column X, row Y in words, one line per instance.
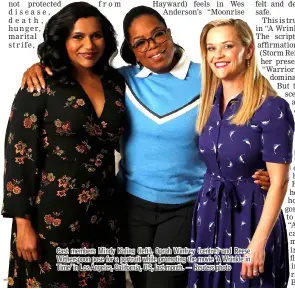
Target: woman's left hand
column 253, row 263
column 262, row 179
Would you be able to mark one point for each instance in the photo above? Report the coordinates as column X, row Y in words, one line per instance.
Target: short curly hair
column 52, row 51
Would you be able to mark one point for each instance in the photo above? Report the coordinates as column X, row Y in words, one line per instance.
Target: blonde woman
column 243, row 126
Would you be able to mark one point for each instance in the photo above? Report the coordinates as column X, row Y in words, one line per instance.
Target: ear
column 131, row 49
column 250, row 51
column 169, row 33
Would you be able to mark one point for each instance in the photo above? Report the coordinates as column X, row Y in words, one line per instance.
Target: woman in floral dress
column 59, row 155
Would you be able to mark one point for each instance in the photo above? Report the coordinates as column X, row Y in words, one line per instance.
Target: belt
column 220, row 185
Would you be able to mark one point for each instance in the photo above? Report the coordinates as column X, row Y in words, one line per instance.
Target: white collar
column 179, row 70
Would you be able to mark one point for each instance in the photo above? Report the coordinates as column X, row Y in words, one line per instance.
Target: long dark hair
column 52, row 51
column 125, row 51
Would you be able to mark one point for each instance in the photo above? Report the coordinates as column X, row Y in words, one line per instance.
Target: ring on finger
column 255, row 271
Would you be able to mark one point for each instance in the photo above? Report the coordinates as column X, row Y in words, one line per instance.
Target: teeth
column 220, row 64
column 157, row 55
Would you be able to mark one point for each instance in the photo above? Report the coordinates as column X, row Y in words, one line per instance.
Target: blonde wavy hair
column 255, row 84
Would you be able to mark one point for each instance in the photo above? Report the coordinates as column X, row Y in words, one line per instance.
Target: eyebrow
column 221, row 42
column 79, row 32
column 141, row 36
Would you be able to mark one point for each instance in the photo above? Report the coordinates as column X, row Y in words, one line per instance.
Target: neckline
column 218, row 102
column 179, row 71
column 89, row 100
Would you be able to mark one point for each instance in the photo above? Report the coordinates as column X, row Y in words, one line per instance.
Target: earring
column 248, row 62
column 138, row 65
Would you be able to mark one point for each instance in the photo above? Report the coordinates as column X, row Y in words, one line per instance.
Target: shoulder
column 114, row 74
column 276, row 122
column 274, row 105
column 274, row 110
column 27, row 98
column 195, row 65
column 28, row 102
column 195, row 69
column 115, row 80
column 273, row 101
column 129, row 71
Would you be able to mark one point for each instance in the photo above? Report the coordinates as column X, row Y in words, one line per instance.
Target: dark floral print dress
column 60, row 174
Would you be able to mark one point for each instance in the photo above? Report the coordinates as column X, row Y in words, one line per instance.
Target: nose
column 218, row 53
column 88, row 43
column 152, row 44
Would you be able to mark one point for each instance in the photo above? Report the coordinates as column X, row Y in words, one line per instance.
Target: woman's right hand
column 33, row 77
column 27, row 240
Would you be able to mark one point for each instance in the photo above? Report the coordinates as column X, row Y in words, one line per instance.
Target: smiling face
column 226, row 55
column 159, row 57
column 85, row 44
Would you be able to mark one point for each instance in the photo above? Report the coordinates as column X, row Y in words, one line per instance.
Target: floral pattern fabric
column 45, row 272
column 60, row 167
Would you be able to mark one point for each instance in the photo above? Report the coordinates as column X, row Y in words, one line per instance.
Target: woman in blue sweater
column 160, row 169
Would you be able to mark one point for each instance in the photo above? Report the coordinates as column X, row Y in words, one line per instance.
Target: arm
column 34, row 78
column 23, row 149
column 277, row 146
column 279, row 177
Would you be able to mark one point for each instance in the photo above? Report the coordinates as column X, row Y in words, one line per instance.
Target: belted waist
column 217, row 184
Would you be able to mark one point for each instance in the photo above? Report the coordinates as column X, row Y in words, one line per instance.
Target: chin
column 221, row 76
column 88, row 65
column 161, row 66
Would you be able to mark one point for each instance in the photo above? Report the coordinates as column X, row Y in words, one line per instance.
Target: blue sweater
column 160, row 158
